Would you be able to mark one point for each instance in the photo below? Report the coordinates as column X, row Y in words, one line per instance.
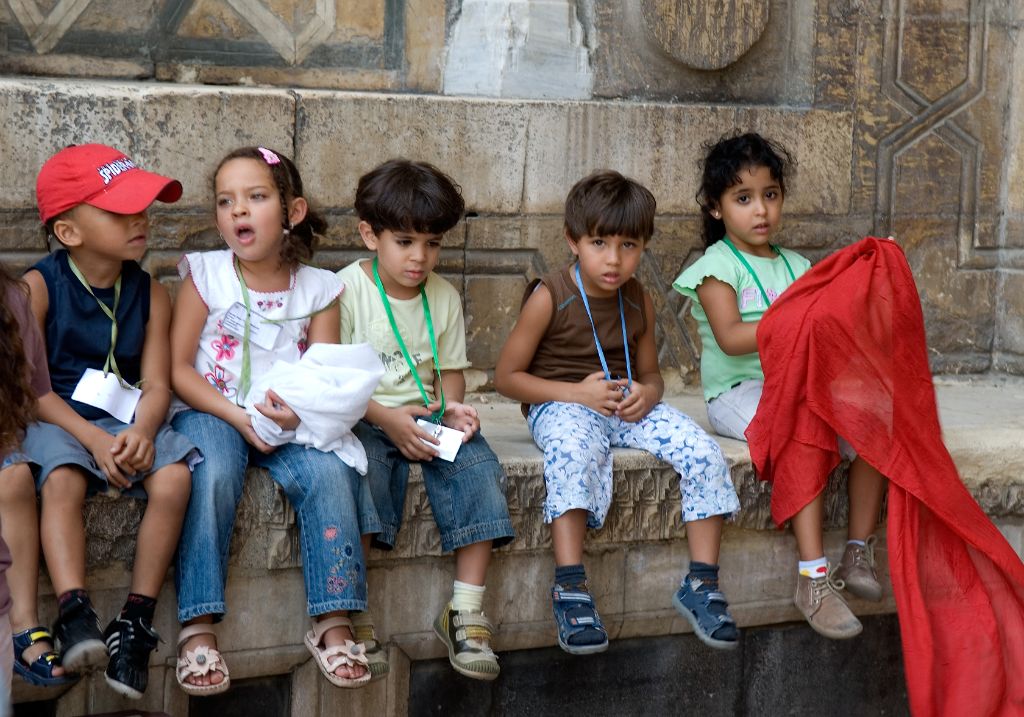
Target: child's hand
column 598, row 393
column 242, row 423
column 461, row 417
column 639, row 401
column 400, row 426
column 274, row 408
column 102, row 449
column 133, row 451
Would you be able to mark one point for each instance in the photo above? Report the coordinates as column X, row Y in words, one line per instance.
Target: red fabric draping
column 843, row 352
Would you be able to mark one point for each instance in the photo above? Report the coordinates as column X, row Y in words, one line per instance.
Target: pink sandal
column 328, row 659
column 199, row 662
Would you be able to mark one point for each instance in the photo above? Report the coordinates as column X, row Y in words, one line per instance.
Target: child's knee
column 17, row 487
column 170, row 486
column 65, row 484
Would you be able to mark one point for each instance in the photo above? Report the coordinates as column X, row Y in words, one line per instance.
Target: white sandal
column 328, row 659
column 201, row 661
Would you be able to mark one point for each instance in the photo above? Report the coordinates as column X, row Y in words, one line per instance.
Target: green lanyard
column 436, row 417
column 111, row 363
column 246, row 378
column 750, row 269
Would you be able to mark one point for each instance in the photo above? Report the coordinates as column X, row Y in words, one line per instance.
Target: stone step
column 634, row 563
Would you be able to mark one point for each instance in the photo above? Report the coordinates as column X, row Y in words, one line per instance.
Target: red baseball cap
column 102, row 177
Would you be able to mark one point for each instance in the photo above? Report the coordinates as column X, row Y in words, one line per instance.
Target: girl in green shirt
column 741, row 273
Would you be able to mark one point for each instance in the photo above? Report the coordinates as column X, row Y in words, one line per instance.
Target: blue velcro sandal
column 708, row 613
column 39, row 672
column 575, row 613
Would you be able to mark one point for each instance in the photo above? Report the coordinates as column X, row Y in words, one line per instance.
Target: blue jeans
column 467, row 497
column 332, row 502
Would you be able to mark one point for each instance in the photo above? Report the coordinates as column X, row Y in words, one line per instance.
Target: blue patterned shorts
column 577, row 442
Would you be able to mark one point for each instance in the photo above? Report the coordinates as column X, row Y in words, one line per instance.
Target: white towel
column 329, row 389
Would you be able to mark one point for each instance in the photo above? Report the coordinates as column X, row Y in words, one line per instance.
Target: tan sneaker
column 826, row 611
column 857, row 570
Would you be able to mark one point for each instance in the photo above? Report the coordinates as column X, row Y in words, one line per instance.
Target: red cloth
column 843, row 352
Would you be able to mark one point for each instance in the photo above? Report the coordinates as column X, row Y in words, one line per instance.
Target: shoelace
column 821, row 587
column 864, row 555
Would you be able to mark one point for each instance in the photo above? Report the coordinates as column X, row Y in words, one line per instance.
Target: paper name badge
column 262, row 333
column 107, row 393
column 451, row 440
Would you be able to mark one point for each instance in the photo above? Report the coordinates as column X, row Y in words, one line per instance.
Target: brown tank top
column 567, row 352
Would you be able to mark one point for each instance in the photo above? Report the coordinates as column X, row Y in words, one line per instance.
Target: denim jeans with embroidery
column 332, row 503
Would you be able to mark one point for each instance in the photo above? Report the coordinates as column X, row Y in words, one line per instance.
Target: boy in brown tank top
column 582, row 359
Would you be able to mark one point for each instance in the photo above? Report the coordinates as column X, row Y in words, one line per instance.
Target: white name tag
column 262, row 333
column 107, row 393
column 451, row 440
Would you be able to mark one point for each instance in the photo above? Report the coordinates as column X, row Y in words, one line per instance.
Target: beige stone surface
column 480, row 144
column 153, row 125
column 659, row 144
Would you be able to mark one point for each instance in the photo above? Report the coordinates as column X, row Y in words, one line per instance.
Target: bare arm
column 187, row 322
column 511, row 376
column 732, row 334
column 54, row 409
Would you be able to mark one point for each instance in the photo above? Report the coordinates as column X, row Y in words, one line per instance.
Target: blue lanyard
column 597, row 341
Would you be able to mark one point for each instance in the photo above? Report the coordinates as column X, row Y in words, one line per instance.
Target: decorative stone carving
column 292, row 45
column 45, row 31
column 706, row 34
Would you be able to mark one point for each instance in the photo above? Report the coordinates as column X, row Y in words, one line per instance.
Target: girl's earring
column 288, row 229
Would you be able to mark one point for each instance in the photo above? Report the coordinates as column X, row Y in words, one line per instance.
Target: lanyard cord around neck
column 750, row 269
column 111, row 363
column 436, row 417
column 246, row 378
column 597, row 341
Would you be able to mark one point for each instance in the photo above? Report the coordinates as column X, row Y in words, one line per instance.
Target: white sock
column 855, row 542
column 814, row 568
column 468, row 597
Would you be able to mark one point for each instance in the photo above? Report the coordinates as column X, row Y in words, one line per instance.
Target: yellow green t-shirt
column 364, row 320
column 719, row 371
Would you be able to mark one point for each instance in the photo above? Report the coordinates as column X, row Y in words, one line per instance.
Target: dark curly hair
column 409, row 196
column 606, row 203
column 299, row 240
column 720, row 169
column 16, row 396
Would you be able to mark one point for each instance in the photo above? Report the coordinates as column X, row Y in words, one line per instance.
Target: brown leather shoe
column 826, row 611
column 857, row 570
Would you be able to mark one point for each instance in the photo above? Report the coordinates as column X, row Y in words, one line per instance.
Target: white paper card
column 261, row 332
column 107, row 393
column 451, row 440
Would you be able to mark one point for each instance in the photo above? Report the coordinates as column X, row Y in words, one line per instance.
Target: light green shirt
column 363, row 320
column 718, row 371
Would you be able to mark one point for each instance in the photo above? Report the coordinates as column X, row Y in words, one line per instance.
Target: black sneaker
column 77, row 630
column 129, row 643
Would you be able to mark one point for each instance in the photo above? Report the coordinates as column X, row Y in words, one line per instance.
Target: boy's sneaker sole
column 123, row 689
column 85, row 656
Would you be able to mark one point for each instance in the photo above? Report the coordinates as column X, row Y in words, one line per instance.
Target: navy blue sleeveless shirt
column 77, row 331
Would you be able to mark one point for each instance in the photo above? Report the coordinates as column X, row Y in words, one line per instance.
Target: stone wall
column 903, row 116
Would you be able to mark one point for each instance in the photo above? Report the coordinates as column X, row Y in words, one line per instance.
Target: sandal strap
column 198, row 628
column 348, row 655
column 580, row 602
column 201, row 661
column 322, row 626
column 580, row 597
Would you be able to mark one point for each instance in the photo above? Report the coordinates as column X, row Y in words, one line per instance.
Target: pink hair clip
column 268, row 156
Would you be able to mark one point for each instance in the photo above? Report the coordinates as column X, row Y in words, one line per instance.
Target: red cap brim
column 134, row 194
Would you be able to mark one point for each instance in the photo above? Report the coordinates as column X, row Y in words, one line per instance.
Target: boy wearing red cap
column 101, row 428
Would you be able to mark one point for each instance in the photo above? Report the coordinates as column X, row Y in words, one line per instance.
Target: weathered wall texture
column 903, row 114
